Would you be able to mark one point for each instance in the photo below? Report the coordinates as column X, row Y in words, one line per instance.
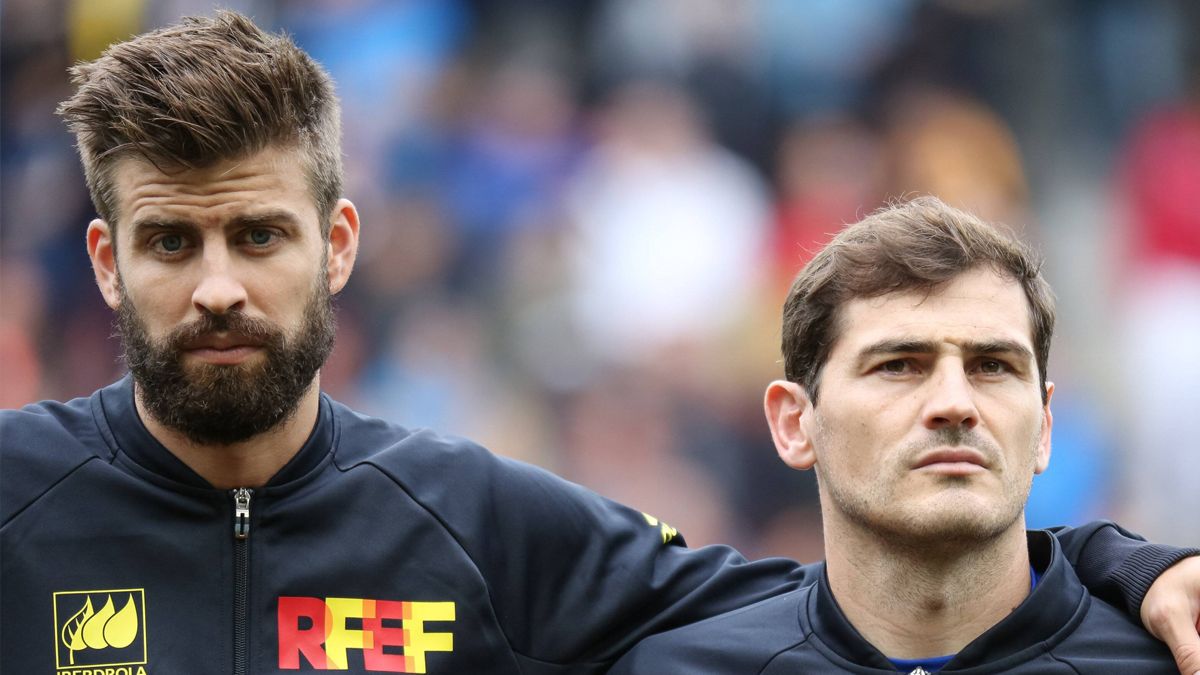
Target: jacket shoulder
column 426, row 463
column 43, row 443
column 748, row 640
column 1107, row 640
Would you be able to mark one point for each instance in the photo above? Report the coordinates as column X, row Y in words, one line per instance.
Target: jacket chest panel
column 126, row 581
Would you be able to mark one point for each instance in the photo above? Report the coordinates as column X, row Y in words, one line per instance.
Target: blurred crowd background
column 580, row 220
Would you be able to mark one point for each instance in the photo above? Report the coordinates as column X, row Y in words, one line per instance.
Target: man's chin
column 954, row 517
column 219, row 412
column 959, row 519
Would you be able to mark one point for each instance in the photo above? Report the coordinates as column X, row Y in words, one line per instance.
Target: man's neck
column 249, row 463
column 912, row 603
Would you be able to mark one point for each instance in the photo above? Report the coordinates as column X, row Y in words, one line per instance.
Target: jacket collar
column 1045, row 617
column 115, row 409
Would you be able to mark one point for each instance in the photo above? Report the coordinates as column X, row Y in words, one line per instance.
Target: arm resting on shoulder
column 1156, row 584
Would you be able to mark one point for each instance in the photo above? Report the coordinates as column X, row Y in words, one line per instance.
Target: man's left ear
column 343, row 244
column 1043, row 448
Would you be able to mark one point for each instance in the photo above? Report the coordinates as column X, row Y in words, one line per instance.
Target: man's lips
column 223, row 357
column 958, row 461
column 221, row 341
column 222, row 349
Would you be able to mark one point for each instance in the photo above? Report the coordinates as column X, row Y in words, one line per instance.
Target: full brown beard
column 224, row 404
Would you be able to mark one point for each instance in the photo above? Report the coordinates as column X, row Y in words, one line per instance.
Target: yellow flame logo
column 668, row 533
column 89, row 629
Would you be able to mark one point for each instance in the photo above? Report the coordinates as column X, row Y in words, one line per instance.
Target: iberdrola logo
column 104, row 628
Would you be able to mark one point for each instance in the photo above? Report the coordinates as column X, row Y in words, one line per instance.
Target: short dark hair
column 917, row 245
column 203, row 91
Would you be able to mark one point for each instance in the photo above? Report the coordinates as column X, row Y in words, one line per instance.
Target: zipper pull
column 241, row 512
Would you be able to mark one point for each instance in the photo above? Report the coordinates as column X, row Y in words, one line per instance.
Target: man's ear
column 787, row 404
column 103, row 251
column 343, row 244
column 1043, row 447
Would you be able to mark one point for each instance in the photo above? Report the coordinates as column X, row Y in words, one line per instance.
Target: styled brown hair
column 917, row 245
column 200, row 92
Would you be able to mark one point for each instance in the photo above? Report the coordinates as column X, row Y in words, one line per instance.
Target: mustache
column 251, row 329
column 954, row 436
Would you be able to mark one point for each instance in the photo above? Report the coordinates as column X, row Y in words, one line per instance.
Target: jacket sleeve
column 1116, row 565
column 575, row 580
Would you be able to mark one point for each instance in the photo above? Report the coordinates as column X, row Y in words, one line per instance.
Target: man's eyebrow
column 275, row 217
column 999, row 347
column 151, row 223
column 898, row 346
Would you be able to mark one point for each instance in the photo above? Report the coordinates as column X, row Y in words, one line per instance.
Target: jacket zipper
column 241, row 576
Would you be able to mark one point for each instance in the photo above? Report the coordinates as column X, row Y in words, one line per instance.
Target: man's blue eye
column 171, row 243
column 260, row 237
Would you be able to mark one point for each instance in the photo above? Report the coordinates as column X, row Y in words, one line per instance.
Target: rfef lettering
column 317, row 633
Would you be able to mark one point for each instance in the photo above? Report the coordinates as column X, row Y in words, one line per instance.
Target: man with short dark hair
column 915, row 346
column 214, row 512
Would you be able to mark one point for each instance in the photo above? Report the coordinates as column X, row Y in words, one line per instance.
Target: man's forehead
column 978, row 306
column 145, row 188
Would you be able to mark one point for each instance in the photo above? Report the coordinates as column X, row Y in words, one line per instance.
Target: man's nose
column 218, row 290
column 951, row 400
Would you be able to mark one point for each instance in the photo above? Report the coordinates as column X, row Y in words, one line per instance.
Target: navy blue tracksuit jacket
column 1060, row 629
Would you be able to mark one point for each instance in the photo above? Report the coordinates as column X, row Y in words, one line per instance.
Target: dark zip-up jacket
column 375, row 549
column 1060, row 629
